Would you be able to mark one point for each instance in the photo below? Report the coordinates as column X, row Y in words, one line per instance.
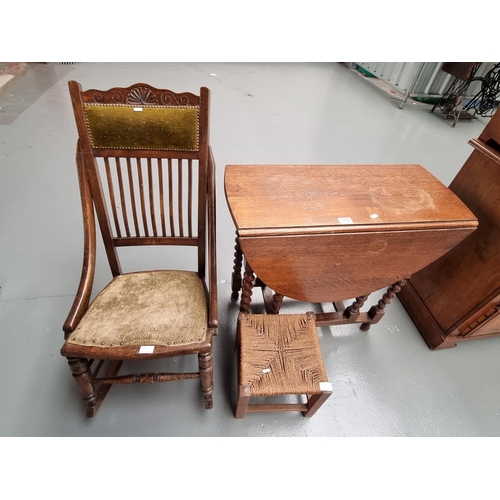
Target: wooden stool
column 280, row 355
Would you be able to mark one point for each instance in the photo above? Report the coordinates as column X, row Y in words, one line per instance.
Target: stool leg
column 243, row 399
column 314, row 402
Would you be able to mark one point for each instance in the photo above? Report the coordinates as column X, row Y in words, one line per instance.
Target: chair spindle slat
column 112, row 197
column 123, row 201
column 132, row 197
column 151, row 198
column 170, row 198
column 179, row 180
column 141, row 192
column 190, row 198
column 162, row 199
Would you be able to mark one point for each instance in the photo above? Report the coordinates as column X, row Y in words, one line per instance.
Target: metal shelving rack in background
column 420, row 79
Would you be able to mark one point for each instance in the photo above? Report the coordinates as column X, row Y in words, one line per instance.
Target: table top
column 302, row 199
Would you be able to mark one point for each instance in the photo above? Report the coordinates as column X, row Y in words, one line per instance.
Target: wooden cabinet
column 457, row 297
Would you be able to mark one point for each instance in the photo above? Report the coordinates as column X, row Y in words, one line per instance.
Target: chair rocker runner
column 146, row 170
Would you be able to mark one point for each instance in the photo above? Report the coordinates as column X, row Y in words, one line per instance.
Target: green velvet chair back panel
column 167, row 128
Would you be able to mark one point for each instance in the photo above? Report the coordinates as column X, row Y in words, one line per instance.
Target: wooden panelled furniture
column 327, row 233
column 146, row 168
column 457, row 297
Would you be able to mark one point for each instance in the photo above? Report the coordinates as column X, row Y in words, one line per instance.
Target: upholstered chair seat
column 160, row 308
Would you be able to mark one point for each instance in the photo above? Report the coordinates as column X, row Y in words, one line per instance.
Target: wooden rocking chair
column 145, row 167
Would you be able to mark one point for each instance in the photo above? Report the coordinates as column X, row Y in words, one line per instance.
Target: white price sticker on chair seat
column 146, row 349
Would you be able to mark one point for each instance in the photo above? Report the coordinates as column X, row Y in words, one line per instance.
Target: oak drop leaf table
column 329, row 233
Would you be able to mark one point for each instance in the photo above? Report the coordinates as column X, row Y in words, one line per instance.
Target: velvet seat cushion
column 167, row 308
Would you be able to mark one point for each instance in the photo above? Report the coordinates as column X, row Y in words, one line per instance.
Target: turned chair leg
column 205, row 361
column 80, row 369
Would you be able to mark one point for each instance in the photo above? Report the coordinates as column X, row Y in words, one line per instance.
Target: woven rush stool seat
column 280, row 355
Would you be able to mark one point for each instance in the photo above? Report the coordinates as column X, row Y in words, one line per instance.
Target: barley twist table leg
column 236, row 276
column 352, row 312
column 376, row 312
column 246, row 293
column 276, row 305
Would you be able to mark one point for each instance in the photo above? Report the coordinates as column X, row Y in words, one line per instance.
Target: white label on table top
column 137, row 109
column 146, row 349
column 345, row 220
column 373, row 216
column 266, row 370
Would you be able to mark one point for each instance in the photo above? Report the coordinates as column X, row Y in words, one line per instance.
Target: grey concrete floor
column 385, row 383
